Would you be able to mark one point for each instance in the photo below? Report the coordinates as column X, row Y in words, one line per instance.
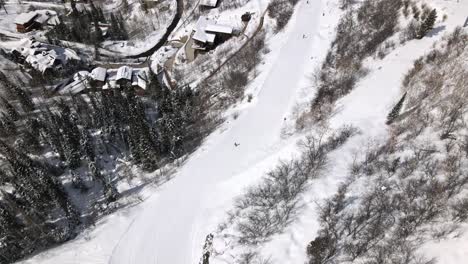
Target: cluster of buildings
column 38, row 19
column 102, row 79
column 42, row 57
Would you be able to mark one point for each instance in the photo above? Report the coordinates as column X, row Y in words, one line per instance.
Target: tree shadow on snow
column 436, row 31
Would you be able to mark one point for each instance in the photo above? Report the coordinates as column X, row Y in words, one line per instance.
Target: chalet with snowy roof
column 78, row 84
column 140, row 81
column 33, row 20
column 98, row 77
column 124, row 76
column 207, row 34
column 42, row 57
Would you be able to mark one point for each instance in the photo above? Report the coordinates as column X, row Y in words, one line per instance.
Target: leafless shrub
column 374, row 225
column 460, row 210
column 266, row 209
column 225, row 4
column 416, row 11
column 235, row 81
column 207, row 250
column 281, row 11
column 415, row 190
column 345, row 4
column 410, row 31
column 228, row 85
column 417, row 67
column 359, row 34
column 252, row 258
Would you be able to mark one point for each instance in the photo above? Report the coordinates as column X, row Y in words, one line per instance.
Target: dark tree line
column 78, row 137
column 84, row 26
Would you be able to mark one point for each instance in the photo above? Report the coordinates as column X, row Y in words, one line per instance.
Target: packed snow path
column 167, row 231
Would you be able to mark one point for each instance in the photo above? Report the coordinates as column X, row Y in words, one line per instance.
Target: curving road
column 163, row 40
column 171, row 228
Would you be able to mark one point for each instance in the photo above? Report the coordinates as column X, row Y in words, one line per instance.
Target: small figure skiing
column 236, row 144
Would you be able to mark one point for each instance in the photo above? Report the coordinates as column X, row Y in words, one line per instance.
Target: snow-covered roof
column 74, row 87
column 99, row 74
column 210, row 3
column 40, row 16
column 140, row 79
column 42, row 56
column 41, row 61
column 200, row 33
column 216, row 28
column 24, row 18
column 79, row 83
column 124, row 72
column 81, row 75
column 206, row 30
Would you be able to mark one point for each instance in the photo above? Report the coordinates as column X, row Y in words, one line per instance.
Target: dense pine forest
column 52, row 147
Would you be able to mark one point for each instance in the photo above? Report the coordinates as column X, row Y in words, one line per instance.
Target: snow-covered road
column 167, row 231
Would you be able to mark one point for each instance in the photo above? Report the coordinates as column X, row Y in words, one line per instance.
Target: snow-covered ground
column 171, row 224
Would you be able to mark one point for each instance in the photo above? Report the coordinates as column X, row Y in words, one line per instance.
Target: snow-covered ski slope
column 168, row 229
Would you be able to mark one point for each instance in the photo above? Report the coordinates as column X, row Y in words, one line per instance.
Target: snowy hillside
column 305, row 131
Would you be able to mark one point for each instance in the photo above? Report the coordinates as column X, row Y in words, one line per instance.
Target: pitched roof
column 140, row 79
column 25, row 18
column 74, row 87
column 218, row 28
column 79, row 83
column 124, row 72
column 99, row 74
column 200, row 33
column 42, row 56
column 40, row 16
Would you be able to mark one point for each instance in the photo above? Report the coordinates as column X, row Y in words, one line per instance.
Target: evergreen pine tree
column 428, row 24
column 396, row 110
column 87, row 146
column 122, row 27
column 8, row 125
column 125, row 5
column 94, row 11
column 74, row 12
column 102, row 18
column 72, row 141
column 10, row 110
column 24, row 98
